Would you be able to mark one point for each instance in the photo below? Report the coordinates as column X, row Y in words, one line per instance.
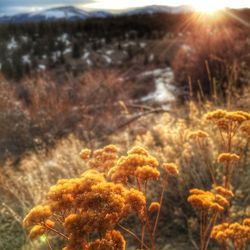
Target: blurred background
column 99, row 72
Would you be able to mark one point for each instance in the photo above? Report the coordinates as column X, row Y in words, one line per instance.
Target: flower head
column 37, row 215
column 146, row 173
column 207, row 201
column 171, row 168
column 228, row 157
column 85, row 154
column 198, row 135
column 154, row 207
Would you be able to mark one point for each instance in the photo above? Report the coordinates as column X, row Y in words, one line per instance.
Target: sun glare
column 209, row 6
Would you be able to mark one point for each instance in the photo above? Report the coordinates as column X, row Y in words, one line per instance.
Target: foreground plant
column 233, row 235
column 87, row 211
column 211, row 206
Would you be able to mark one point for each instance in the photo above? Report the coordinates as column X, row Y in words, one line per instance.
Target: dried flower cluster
column 171, row 168
column 235, row 233
column 84, row 206
column 196, row 135
column 79, row 209
column 154, row 207
column 228, row 157
column 112, row 240
column 86, row 211
column 102, row 159
column 207, row 202
column 224, row 119
column 211, row 205
column 138, row 164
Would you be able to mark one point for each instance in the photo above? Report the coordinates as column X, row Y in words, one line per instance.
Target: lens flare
column 209, row 6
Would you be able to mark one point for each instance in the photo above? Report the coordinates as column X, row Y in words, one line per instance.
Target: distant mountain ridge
column 159, row 9
column 71, row 13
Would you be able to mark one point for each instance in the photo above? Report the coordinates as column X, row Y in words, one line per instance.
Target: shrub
column 86, row 210
column 212, row 64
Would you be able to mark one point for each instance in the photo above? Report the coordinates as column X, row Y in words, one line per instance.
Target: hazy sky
column 13, row 6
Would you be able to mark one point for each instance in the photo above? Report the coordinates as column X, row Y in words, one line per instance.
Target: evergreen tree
column 18, row 69
column 76, row 50
column 6, row 68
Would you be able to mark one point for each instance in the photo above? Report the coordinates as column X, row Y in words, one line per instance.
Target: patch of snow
column 125, row 45
column 26, row 59
column 41, row 67
column 143, row 45
column 107, row 59
column 151, row 57
column 64, row 38
column 163, row 88
column 55, row 55
column 155, row 73
column 109, row 52
column 67, row 51
column 85, row 55
column 12, row 44
column 24, row 39
column 89, row 62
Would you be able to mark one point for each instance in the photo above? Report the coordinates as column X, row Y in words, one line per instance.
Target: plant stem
column 55, row 231
column 142, row 235
column 134, row 235
column 48, row 242
column 159, row 210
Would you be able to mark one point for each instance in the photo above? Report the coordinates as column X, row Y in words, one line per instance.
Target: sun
column 211, row 6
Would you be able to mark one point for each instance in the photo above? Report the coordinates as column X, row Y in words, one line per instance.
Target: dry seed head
column 237, row 233
column 215, row 207
column 112, row 240
column 198, row 135
column 216, row 115
column 222, row 201
column 137, row 159
column 196, row 191
column 117, row 239
column 224, row 192
column 49, row 223
column 171, row 168
column 207, row 201
column 154, row 207
column 104, row 159
column 228, row 157
column 224, row 120
column 146, row 172
column 111, row 149
column 244, row 114
column 137, row 202
column 235, row 117
column 138, row 150
column 246, row 222
column 85, row 154
column 37, row 215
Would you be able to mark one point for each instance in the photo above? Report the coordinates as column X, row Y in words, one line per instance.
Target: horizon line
column 37, row 9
